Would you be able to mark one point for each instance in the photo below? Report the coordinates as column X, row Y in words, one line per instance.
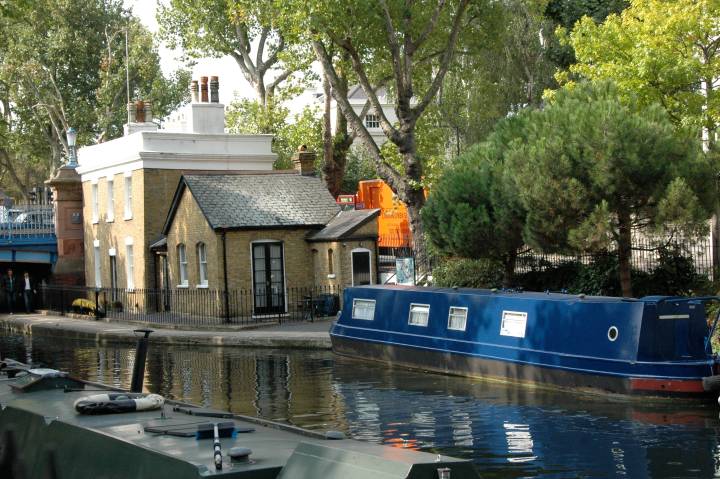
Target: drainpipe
column 225, row 277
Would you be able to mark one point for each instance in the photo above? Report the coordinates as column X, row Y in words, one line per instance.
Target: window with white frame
column 130, row 266
column 182, row 264
column 95, row 205
column 128, row 198
column 202, row 264
column 363, row 309
column 98, row 279
column 457, row 318
column 419, row 314
column 372, row 121
column 110, row 216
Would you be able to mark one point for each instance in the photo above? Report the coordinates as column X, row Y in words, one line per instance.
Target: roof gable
column 255, row 201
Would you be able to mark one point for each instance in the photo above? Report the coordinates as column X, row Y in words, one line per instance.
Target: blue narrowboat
column 655, row 345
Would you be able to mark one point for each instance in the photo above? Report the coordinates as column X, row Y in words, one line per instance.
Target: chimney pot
column 148, row 112
column 132, row 112
column 214, row 90
column 140, row 108
column 304, row 162
column 194, row 91
column 204, row 89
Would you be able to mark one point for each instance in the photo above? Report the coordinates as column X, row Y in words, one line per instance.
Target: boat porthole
column 612, row 333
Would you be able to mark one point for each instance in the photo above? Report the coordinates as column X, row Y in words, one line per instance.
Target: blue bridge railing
column 26, row 223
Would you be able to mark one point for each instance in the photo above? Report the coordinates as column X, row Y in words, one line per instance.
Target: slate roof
column 248, row 201
column 343, row 224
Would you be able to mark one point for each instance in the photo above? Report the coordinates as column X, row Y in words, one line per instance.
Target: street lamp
column 71, row 135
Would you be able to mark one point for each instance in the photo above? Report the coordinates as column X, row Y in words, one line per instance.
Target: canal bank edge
column 295, row 336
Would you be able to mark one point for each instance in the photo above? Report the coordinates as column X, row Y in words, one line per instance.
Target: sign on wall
column 405, row 270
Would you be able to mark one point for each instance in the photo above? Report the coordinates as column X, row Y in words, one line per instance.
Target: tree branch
column 432, row 23
column 390, row 131
column 387, row 172
column 444, row 63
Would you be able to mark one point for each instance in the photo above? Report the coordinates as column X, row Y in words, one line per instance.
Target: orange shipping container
column 393, row 225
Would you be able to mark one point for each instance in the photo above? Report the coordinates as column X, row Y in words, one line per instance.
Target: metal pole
column 138, row 376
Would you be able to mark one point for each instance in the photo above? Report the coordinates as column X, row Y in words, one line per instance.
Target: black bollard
column 140, row 355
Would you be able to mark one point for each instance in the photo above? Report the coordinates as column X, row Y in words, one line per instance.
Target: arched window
column 331, row 266
column 202, row 264
column 182, row 263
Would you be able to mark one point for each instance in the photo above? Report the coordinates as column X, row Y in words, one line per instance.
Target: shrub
column 468, row 273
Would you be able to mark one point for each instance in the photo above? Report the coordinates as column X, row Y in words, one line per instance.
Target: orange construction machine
column 393, row 225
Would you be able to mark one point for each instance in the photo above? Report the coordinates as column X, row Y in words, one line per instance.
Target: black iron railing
column 193, row 306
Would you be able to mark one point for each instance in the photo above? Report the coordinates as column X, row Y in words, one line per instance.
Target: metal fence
column 192, row 307
column 645, row 256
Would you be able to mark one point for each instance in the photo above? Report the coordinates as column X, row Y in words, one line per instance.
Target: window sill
column 110, row 220
column 127, row 218
column 183, row 286
column 201, row 286
column 331, row 276
column 95, row 221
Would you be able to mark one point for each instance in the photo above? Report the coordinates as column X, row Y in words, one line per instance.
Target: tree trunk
column 328, row 159
column 624, row 253
column 415, row 200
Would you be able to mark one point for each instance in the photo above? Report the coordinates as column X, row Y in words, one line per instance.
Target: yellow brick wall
column 190, row 227
column 342, row 264
column 152, row 192
column 113, row 234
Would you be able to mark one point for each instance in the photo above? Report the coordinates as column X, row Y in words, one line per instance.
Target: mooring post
column 138, row 376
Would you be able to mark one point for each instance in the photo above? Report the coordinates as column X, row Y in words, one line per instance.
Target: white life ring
column 112, row 403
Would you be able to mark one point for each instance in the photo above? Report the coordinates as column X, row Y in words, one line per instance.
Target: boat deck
column 50, row 433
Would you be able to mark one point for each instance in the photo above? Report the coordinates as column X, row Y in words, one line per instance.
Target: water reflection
column 508, row 431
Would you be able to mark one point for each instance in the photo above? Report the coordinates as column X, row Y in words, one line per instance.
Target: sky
column 232, row 82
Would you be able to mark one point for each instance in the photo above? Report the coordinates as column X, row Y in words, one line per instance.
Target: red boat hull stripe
column 674, row 385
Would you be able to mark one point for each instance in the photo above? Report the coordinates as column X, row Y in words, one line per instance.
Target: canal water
column 508, row 431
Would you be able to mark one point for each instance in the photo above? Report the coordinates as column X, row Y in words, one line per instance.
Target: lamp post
column 71, row 135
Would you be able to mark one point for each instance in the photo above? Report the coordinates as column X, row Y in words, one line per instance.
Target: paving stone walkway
column 304, row 335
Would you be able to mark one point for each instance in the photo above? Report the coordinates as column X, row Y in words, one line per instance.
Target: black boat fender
column 113, row 403
column 711, row 383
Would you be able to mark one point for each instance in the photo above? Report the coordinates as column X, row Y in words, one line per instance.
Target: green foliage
column 473, row 211
column 63, row 64
column 594, row 168
column 674, row 275
column 359, row 167
column 260, row 36
column 468, row 273
column 305, row 128
column 657, row 51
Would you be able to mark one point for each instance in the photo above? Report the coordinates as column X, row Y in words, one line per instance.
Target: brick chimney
column 304, row 161
column 140, row 117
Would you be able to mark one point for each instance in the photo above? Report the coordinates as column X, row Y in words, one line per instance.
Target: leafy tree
column 412, row 45
column 473, row 211
column 658, row 51
column 254, row 33
column 248, row 116
column 592, row 171
column 62, row 64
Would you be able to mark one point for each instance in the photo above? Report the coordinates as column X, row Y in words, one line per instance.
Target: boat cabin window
column 419, row 314
column 457, row 318
column 363, row 309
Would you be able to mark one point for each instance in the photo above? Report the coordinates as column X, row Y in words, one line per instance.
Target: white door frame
column 352, row 268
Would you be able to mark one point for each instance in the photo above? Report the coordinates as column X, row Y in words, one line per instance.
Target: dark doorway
column 268, row 278
column 360, row 267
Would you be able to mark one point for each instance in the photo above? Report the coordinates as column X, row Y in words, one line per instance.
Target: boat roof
column 518, row 293
column 44, row 413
